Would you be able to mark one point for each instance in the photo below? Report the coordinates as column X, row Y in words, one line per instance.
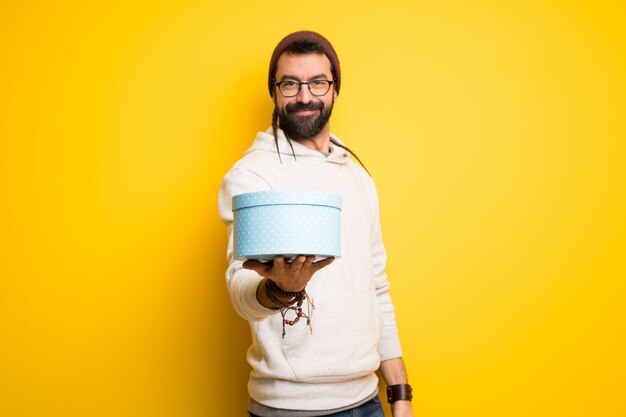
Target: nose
column 304, row 95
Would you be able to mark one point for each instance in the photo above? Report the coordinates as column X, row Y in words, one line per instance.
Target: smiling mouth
column 305, row 112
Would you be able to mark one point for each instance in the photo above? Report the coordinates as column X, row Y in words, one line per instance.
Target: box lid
column 291, row 197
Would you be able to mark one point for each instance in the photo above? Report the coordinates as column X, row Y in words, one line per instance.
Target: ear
column 335, row 95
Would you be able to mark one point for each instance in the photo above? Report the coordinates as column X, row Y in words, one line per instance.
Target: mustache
column 294, row 107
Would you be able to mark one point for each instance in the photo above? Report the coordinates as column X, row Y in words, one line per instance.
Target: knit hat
column 289, row 40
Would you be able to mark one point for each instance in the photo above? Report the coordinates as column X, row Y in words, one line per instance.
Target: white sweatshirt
column 354, row 326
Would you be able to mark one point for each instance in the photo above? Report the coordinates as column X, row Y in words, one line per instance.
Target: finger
column 298, row 262
column 321, row 264
column 279, row 263
column 309, row 260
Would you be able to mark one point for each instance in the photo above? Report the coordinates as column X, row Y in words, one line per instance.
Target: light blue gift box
column 287, row 223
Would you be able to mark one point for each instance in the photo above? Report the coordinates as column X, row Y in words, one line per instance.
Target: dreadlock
column 293, row 152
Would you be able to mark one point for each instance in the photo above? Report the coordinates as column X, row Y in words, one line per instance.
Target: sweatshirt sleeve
column 242, row 283
column 389, row 345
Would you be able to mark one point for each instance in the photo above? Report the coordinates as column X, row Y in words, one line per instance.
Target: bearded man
column 330, row 371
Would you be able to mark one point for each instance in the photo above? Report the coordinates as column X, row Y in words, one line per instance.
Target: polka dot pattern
column 288, row 223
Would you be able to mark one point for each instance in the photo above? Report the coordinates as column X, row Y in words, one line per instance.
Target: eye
column 318, row 82
column 290, row 83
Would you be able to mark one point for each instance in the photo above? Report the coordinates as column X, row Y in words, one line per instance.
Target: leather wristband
column 400, row 392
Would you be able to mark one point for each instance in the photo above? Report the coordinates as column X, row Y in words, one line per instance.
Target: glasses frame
column 300, row 83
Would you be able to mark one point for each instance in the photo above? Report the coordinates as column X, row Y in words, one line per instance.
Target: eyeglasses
column 290, row 88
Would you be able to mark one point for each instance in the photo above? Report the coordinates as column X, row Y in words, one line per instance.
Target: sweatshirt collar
column 265, row 141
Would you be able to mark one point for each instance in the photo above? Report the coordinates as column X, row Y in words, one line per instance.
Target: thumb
column 255, row 265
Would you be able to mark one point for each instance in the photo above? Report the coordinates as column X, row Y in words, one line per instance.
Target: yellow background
column 495, row 131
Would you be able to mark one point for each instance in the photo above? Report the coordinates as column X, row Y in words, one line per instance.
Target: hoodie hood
column 264, row 142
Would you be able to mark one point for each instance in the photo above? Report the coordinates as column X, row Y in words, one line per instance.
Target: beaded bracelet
column 271, row 289
column 276, row 288
column 297, row 298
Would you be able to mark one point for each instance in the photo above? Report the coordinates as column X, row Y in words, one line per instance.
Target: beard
column 304, row 127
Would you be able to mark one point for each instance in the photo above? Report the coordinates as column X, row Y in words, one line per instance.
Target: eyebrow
column 293, row 77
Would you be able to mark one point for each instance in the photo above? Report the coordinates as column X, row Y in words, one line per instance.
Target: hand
column 401, row 409
column 289, row 276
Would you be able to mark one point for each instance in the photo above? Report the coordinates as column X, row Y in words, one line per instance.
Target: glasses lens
column 289, row 88
column 319, row 87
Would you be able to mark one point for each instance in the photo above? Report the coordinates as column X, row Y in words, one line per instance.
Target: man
column 329, row 367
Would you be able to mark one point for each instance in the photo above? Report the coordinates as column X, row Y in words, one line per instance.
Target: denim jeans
column 372, row 408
